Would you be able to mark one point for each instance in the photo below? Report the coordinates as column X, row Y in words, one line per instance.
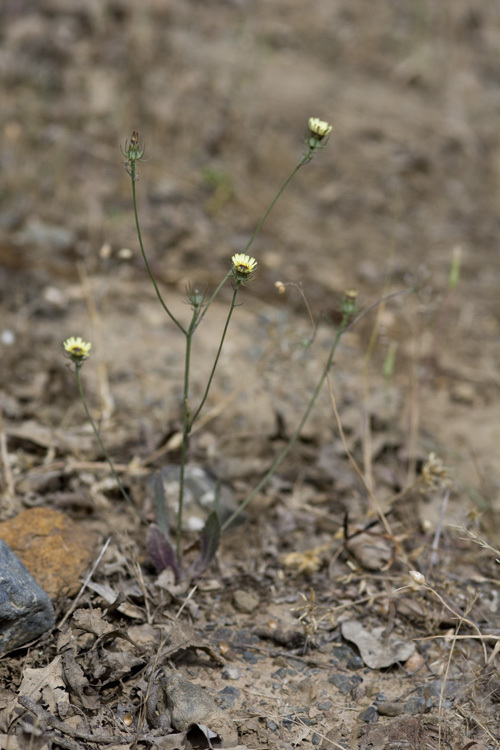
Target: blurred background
column 221, row 92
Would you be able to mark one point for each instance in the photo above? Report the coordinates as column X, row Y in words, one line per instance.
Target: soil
column 307, row 629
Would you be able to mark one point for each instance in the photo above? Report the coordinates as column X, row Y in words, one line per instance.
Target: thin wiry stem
column 141, row 245
column 284, row 453
column 219, row 350
column 119, row 482
column 187, row 423
column 305, row 159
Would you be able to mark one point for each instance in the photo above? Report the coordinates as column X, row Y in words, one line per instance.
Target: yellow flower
column 76, row 348
column 243, row 266
column 319, row 128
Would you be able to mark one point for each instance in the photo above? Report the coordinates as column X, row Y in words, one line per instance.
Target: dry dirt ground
column 305, row 631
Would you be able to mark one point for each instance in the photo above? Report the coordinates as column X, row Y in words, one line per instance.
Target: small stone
column 345, row 683
column 250, row 657
column 25, row 609
column 227, row 696
column 231, row 673
column 50, row 236
column 53, row 548
column 369, row 715
column 188, row 704
column 463, row 393
column 245, row 601
column 390, row 708
column 415, row 705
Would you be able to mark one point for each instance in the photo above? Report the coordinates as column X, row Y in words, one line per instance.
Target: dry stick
column 107, row 401
column 75, row 603
column 186, row 600
column 144, row 705
column 4, row 454
column 443, row 684
column 439, row 531
column 414, row 412
column 43, row 715
column 459, row 615
column 358, row 471
column 375, row 503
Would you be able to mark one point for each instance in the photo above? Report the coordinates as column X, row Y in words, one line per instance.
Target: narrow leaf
column 160, row 504
column 160, row 551
column 210, row 539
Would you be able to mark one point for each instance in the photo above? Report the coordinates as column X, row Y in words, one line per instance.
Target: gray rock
column 25, row 609
column 44, row 235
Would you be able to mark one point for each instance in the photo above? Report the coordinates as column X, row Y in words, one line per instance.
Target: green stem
column 233, row 305
column 284, row 453
column 306, row 158
column 213, row 296
column 141, row 245
column 101, row 444
column 187, row 422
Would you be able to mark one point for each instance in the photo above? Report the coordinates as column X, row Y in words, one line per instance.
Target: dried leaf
column 45, row 684
column 377, row 650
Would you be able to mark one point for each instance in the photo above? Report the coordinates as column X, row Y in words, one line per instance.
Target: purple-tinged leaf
column 160, row 551
column 210, row 539
column 160, row 505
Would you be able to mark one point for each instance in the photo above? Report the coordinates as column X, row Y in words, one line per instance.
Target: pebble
column 245, row 601
column 40, row 234
column 250, row 657
column 25, row 609
column 227, row 696
column 345, row 683
column 231, row 673
column 390, row 708
column 369, row 715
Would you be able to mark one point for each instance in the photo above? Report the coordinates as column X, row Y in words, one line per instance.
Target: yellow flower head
column 76, row 349
column 243, row 266
column 319, row 128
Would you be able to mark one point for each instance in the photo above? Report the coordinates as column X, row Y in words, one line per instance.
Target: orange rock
column 55, row 549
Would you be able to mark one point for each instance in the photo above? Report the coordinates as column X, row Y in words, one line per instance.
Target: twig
column 75, row 603
column 46, row 718
column 439, row 530
column 4, row 454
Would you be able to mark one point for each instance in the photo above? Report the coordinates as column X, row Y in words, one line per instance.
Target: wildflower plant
column 242, row 269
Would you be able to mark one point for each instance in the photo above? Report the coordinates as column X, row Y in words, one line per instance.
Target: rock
column 54, row 548
column 50, row 236
column 231, row 673
column 25, row 609
column 189, row 704
column 345, row 683
column 245, row 601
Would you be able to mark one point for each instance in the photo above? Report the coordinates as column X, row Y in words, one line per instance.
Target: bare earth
column 307, row 630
